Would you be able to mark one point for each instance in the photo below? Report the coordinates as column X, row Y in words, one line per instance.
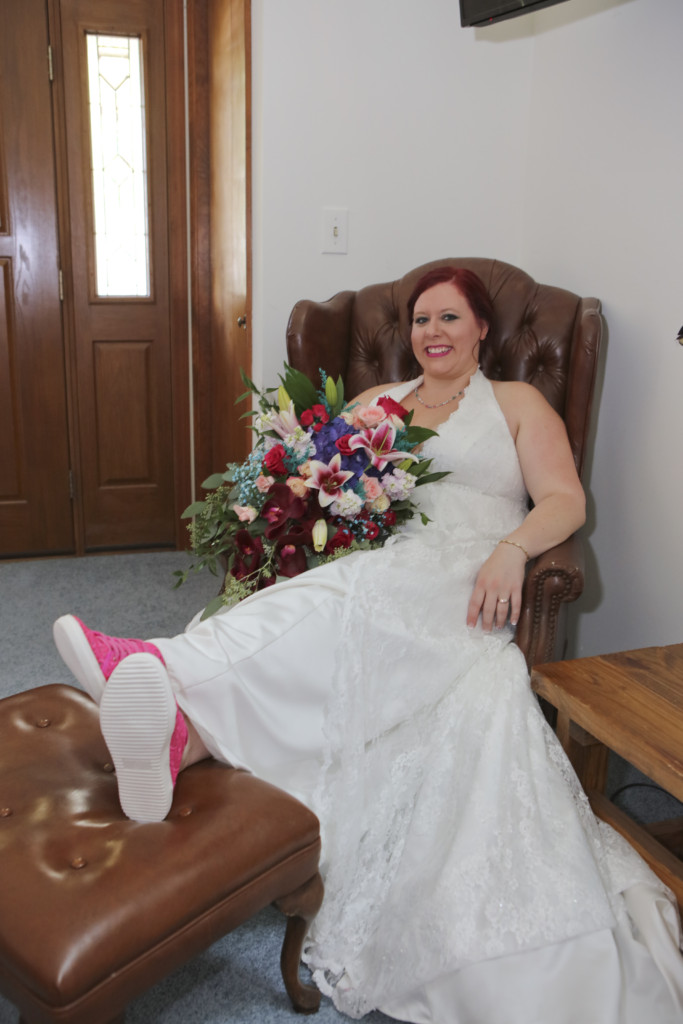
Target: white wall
column 552, row 141
column 390, row 109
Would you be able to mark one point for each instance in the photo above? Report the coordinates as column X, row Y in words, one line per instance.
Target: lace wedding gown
column 467, row 881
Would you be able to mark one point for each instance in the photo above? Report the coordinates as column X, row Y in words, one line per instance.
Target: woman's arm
column 559, row 503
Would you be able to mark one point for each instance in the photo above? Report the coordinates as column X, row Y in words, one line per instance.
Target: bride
column 467, row 881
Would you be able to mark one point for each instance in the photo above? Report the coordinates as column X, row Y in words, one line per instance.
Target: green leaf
column 250, row 384
column 193, row 510
column 299, row 388
column 429, row 478
column 212, row 607
column 416, row 435
column 213, row 481
column 245, row 394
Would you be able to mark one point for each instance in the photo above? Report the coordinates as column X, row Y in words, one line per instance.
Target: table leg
column 589, row 757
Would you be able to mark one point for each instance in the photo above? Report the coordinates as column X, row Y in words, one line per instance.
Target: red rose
column 390, row 518
column 320, row 412
column 371, row 530
column 342, row 539
column 342, row 443
column 274, row 460
column 306, row 418
column 391, row 407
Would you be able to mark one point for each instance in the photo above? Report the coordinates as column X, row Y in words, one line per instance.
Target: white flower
column 347, row 505
column 300, row 443
column 398, row 484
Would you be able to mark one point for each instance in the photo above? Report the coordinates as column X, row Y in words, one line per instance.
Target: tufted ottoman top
column 90, row 899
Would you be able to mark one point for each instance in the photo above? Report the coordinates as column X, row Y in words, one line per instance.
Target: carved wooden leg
column 300, row 907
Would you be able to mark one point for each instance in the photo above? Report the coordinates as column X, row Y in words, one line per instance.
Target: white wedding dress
column 467, row 881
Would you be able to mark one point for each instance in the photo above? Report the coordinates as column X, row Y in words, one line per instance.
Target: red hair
column 468, row 284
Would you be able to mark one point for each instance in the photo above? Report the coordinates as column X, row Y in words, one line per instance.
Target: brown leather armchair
column 546, row 336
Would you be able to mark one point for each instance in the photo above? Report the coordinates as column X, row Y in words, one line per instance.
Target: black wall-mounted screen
column 486, row 12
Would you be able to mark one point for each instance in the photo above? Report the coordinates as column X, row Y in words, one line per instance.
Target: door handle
column 241, row 321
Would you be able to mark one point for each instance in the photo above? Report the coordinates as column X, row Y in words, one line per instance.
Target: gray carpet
column 237, row 980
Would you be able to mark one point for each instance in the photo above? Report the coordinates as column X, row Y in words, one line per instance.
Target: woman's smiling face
column 445, row 332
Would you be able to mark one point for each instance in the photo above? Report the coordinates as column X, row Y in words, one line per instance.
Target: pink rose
column 245, row 513
column 368, row 416
column 264, row 483
column 372, row 486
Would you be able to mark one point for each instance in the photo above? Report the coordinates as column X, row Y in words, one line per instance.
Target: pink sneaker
column 92, row 656
column 146, row 734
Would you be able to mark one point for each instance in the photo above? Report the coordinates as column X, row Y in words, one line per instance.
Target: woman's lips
column 434, row 351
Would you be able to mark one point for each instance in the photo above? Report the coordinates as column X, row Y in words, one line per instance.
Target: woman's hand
column 498, row 588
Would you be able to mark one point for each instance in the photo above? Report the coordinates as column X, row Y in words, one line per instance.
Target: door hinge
column 50, row 71
column 61, row 286
column 71, row 485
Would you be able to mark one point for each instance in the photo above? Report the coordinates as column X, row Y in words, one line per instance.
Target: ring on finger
column 503, row 600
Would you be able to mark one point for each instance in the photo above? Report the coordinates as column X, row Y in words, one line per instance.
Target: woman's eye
column 420, row 320
column 449, row 316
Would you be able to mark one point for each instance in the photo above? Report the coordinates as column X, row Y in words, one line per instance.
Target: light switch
column 335, row 230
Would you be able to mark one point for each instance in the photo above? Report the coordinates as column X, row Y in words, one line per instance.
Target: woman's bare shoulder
column 518, row 394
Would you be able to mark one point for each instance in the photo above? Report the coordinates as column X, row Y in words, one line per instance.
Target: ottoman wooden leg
column 300, row 906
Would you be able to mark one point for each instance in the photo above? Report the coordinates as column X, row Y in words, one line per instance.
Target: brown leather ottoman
column 94, row 908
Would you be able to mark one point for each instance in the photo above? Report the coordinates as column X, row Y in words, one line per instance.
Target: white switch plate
column 335, row 229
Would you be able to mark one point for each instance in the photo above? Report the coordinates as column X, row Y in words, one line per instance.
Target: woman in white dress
column 467, row 881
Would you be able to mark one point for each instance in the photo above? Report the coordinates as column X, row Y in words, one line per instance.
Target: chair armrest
column 554, row 579
column 319, row 335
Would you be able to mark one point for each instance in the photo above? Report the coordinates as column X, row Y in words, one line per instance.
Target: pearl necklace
column 438, row 405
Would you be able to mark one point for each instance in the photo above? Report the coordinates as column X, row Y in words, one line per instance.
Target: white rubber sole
column 137, row 718
column 77, row 655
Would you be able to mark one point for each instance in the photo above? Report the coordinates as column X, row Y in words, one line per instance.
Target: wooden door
column 35, row 503
column 122, row 342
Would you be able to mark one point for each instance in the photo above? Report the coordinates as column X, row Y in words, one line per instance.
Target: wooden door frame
column 205, row 340
column 219, row 116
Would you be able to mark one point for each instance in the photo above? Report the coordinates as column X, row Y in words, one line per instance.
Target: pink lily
column 328, row 479
column 284, row 422
column 378, row 443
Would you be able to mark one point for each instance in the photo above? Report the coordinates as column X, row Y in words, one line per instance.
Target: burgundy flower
column 274, row 460
column 248, row 556
column 281, row 505
column 290, row 555
column 390, row 518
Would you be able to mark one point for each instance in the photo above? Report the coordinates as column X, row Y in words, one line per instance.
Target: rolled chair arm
column 318, row 335
column 554, row 580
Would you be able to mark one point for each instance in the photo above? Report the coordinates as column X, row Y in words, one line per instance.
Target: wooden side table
column 631, row 703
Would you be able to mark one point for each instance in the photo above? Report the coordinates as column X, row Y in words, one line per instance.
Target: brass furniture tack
column 94, row 908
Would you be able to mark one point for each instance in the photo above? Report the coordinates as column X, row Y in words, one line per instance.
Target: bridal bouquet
column 321, row 481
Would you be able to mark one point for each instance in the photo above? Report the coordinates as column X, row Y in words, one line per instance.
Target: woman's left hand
column 498, row 589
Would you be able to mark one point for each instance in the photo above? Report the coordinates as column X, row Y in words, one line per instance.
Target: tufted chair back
column 544, row 335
